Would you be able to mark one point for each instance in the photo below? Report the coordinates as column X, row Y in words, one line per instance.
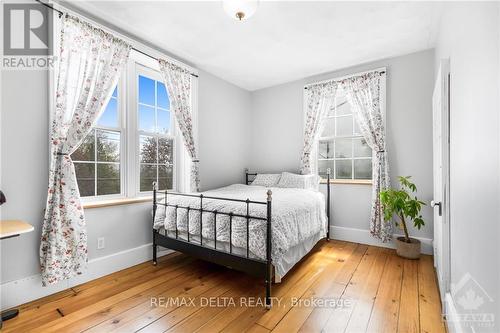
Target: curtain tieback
column 195, row 161
column 59, row 154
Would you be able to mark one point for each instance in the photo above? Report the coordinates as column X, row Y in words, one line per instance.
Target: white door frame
column 442, row 244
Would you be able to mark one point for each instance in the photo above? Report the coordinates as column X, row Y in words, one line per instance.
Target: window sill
column 348, row 181
column 115, row 202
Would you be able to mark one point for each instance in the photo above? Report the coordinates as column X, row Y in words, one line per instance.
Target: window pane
column 165, row 177
column 146, row 118
column 363, row 169
column 163, row 122
column 323, row 165
column 342, row 106
column 344, row 125
column 325, row 149
column 329, row 127
column 108, row 178
column 109, row 118
column 115, row 92
column 343, row 169
column 331, row 112
column 147, row 149
column 146, row 90
column 108, row 146
column 361, row 148
column 85, row 151
column 343, row 148
column 85, row 176
column 163, row 101
column 165, row 151
column 147, row 177
column 356, row 130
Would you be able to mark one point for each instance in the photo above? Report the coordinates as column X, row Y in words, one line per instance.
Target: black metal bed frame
column 252, row 266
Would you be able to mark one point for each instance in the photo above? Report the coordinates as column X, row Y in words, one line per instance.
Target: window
column 135, row 141
column 97, row 160
column 156, row 139
column 342, row 148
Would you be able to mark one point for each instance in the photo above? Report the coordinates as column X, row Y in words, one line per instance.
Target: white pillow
column 266, row 179
column 292, row 180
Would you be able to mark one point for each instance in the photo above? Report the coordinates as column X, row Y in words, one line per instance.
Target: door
column 440, row 203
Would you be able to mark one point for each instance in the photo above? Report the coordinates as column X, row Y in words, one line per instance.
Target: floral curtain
column 363, row 93
column 90, row 63
column 178, row 83
column 319, row 100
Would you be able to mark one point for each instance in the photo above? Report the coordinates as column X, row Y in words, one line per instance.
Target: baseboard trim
column 28, row 289
column 452, row 317
column 364, row 237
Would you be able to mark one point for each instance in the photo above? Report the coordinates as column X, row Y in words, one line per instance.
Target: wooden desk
column 13, row 228
column 9, row 229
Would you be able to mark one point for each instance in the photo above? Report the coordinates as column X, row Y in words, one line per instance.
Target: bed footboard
column 245, row 263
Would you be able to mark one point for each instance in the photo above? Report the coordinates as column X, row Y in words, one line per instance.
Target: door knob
column 439, row 204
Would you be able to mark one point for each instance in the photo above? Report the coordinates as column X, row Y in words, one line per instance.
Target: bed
column 260, row 230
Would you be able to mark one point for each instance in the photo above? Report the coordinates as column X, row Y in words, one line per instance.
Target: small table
column 13, row 228
column 10, row 229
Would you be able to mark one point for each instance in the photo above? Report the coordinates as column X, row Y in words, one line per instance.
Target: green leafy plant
column 403, row 204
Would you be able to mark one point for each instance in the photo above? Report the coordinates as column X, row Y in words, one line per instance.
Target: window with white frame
column 135, row 141
column 98, row 159
column 342, row 148
column 156, row 133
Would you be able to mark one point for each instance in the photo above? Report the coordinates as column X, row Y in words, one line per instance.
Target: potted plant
column 405, row 206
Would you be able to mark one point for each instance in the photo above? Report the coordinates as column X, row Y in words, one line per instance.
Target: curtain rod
column 60, row 13
column 341, row 78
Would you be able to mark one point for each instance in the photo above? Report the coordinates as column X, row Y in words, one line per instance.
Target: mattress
column 298, row 221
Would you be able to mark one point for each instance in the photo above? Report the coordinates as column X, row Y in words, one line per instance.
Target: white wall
column 223, row 113
column 24, row 168
column 277, row 125
column 224, row 135
column 469, row 36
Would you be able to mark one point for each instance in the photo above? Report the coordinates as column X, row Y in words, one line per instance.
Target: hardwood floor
column 374, row 290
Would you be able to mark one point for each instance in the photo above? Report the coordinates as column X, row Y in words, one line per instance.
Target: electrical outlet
column 100, row 243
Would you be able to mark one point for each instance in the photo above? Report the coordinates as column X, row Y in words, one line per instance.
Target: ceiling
column 283, row 41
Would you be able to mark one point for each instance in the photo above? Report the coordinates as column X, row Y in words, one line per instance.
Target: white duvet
column 297, row 215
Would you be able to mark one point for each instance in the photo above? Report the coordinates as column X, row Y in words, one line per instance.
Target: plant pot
column 408, row 250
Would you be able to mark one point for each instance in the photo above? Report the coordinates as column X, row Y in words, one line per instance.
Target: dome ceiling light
column 240, row 10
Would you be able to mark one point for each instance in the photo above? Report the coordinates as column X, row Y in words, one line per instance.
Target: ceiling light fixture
column 240, row 10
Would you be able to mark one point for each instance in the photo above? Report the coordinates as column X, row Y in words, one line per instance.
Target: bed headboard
column 249, row 177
